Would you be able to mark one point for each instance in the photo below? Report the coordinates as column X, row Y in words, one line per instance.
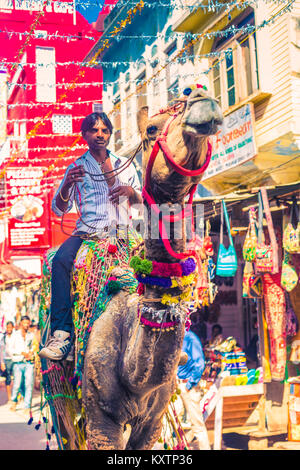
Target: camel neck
column 156, row 251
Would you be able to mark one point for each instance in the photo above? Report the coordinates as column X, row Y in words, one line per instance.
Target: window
column 230, row 77
column 172, row 66
column 168, row 33
column 128, row 112
column 45, row 75
column 173, row 92
column 115, row 87
column 234, row 75
column 217, row 81
column 97, row 107
column 62, row 124
column 154, row 50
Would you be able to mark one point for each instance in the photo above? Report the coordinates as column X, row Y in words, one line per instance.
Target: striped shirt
column 96, row 212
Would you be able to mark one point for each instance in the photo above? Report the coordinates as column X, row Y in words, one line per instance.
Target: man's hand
column 122, row 191
column 28, row 356
column 75, row 175
column 3, row 366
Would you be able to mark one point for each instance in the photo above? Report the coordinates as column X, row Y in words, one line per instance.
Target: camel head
column 198, row 116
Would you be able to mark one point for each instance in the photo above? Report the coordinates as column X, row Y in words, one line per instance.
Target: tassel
column 30, row 421
column 37, row 426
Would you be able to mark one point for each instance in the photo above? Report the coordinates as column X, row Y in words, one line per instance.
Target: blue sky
column 89, row 8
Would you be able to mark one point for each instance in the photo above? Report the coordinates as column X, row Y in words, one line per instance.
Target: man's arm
column 197, row 356
column 63, row 199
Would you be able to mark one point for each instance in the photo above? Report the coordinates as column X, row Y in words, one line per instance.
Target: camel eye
column 151, row 130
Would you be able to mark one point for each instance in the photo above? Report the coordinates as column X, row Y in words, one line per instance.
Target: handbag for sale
column 266, row 260
column 289, row 276
column 227, row 260
column 252, row 283
column 291, row 233
column 250, row 243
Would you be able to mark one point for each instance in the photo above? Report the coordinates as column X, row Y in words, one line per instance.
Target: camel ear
column 142, row 119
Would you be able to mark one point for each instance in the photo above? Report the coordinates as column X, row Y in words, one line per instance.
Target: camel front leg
column 144, row 438
column 102, row 432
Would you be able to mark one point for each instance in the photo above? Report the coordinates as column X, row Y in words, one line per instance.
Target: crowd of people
column 18, row 348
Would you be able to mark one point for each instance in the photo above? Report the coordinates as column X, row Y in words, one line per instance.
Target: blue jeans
column 61, row 303
column 23, row 371
column 8, row 371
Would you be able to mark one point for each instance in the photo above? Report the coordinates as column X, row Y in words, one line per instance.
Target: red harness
column 161, row 144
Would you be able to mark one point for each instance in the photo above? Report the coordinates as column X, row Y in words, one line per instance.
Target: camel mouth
column 203, row 129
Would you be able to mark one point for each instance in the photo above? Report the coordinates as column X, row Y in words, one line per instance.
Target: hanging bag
column 227, row 259
column 291, row 234
column 266, row 255
column 250, row 243
column 289, row 276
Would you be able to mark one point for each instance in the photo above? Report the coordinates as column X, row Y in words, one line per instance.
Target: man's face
column 98, row 136
column 25, row 324
column 9, row 329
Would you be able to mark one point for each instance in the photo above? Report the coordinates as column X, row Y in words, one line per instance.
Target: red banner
column 28, row 225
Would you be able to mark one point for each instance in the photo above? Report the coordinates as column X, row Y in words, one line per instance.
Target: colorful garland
column 100, row 271
column 155, row 268
column 166, row 282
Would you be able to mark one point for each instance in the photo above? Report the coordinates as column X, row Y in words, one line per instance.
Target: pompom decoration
column 154, row 268
column 155, row 281
column 166, row 269
column 188, row 90
column 141, row 289
column 141, row 265
column 112, row 249
column 113, row 286
column 30, row 421
column 188, row 266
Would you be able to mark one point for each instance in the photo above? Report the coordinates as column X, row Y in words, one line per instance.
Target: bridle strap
column 161, row 144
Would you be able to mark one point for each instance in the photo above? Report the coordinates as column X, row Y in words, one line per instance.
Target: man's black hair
column 9, row 323
column 25, row 317
column 218, row 327
column 90, row 120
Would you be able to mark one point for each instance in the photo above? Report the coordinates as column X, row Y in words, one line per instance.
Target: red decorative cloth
column 275, row 312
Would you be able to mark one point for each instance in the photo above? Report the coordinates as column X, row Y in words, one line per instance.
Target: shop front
column 248, row 311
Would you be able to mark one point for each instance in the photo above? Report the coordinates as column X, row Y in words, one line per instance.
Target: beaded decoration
column 100, row 271
column 167, row 275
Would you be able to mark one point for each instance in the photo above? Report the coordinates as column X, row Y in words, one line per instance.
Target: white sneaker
column 57, row 346
column 71, row 356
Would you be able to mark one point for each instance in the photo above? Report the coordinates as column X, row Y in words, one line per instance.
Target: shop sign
column 3, row 107
column 234, row 142
column 28, row 207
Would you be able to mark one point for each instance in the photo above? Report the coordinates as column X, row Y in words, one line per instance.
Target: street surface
column 15, row 433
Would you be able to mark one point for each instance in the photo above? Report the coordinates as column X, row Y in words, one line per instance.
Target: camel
column 129, row 367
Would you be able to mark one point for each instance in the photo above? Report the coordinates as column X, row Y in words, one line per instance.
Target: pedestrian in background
column 6, row 359
column 24, row 347
column 189, row 376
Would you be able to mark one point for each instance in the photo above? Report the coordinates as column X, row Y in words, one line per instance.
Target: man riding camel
column 103, row 197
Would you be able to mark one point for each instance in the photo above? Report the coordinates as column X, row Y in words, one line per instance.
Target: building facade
column 46, row 92
column 250, row 58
